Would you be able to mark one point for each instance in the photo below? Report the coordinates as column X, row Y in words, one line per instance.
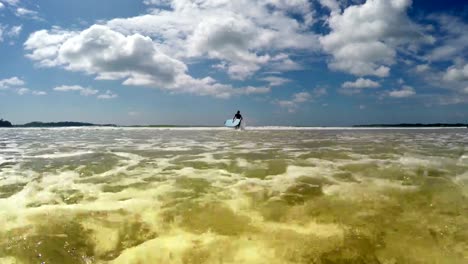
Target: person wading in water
column 238, row 116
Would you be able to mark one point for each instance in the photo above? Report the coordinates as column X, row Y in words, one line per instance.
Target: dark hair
column 238, row 111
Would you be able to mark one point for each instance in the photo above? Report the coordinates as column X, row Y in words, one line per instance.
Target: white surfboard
column 232, row 123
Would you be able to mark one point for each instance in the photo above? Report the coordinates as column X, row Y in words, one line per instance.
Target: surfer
column 238, row 116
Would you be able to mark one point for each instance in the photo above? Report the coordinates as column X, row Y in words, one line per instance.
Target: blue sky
column 281, row 62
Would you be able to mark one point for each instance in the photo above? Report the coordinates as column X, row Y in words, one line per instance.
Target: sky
column 196, row 62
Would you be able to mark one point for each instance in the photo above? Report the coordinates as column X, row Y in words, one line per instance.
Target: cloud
column 14, row 84
column 361, row 83
column 86, row 91
column 275, row 80
column 350, row 88
column 452, row 38
column 422, row 68
column 9, row 32
column 11, row 2
column 451, row 100
column 157, row 2
column 22, row 91
column 10, row 82
column 333, row 5
column 364, row 38
column 111, row 55
column 282, row 62
column 294, row 102
column 227, row 39
column 67, row 88
column 107, row 95
column 27, row 13
column 39, row 93
column 405, row 91
column 319, row 92
column 83, row 91
column 15, row 31
column 456, row 74
column 44, row 46
column 299, row 98
column 244, row 35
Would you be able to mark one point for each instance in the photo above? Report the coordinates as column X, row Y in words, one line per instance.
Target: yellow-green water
column 126, row 195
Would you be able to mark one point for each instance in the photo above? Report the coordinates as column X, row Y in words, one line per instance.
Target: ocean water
column 264, row 195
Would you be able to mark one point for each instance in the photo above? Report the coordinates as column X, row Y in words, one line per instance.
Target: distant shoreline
column 415, row 125
column 62, row 124
column 37, row 124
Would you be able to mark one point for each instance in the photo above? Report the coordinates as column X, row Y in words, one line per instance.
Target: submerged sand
column 122, row 195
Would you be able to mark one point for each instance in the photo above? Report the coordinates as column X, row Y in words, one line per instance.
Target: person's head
column 238, row 111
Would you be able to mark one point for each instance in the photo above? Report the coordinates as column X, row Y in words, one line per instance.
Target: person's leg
column 238, row 126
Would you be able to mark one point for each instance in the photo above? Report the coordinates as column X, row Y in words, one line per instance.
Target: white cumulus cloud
column 457, row 74
column 22, row 91
column 11, row 2
column 111, row 55
column 293, row 103
column 107, row 95
column 405, row 91
column 85, row 91
column 299, row 98
column 275, row 80
column 15, row 84
column 40, row 93
column 157, row 2
column 453, row 39
column 361, row 83
column 364, row 38
column 244, row 35
column 27, row 13
column 333, row 5
column 15, row 31
column 422, row 68
column 10, row 82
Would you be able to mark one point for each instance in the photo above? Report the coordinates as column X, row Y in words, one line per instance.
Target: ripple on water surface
column 217, row 196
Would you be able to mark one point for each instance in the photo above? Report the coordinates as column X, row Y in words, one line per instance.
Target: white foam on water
column 59, row 155
column 210, row 211
column 249, row 128
column 463, row 160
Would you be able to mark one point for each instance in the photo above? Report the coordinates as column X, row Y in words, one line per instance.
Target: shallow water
column 124, row 195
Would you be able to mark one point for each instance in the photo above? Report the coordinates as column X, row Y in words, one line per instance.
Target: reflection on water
column 120, row 195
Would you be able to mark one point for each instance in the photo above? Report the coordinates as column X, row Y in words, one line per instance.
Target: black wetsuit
column 238, row 116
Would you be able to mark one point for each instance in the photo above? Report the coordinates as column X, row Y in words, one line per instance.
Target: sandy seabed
column 266, row 195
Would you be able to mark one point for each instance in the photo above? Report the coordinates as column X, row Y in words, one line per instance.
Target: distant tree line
column 60, row 124
column 5, row 123
column 415, row 125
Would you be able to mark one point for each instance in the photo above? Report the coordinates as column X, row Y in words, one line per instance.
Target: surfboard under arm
column 231, row 123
